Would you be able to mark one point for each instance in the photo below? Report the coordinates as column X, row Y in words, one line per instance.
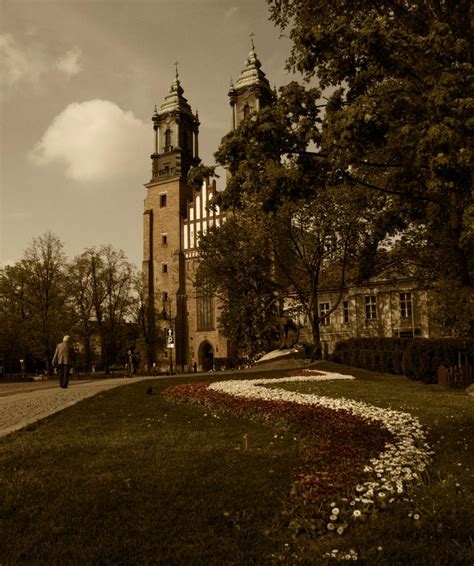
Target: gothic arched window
column 246, row 110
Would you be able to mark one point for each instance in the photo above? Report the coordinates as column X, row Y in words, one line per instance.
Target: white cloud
column 230, row 12
column 70, row 64
column 97, row 141
column 18, row 62
column 26, row 62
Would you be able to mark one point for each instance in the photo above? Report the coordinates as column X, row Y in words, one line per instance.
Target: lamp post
column 169, row 333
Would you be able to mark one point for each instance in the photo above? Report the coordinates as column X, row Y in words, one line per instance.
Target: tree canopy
column 399, row 115
column 388, row 129
column 93, row 297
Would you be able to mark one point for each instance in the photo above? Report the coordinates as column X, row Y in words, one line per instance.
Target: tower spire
column 252, row 90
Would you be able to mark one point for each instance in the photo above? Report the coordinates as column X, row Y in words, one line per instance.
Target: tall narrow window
column 166, row 305
column 162, row 200
column 164, row 268
column 405, row 305
column 205, row 311
column 246, row 110
column 370, row 307
column 164, row 239
column 323, row 309
column 345, row 312
column 168, row 146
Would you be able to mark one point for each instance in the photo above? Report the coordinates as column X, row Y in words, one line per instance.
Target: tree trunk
column 314, row 318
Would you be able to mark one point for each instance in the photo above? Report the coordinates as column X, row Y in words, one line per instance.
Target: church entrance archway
column 207, row 356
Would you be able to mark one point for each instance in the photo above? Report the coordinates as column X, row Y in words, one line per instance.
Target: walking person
column 64, row 360
column 130, row 364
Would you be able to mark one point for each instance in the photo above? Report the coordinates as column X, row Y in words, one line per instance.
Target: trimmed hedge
column 417, row 358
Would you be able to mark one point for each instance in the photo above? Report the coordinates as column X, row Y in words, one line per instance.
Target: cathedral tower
column 175, row 216
column 176, row 150
column 251, row 92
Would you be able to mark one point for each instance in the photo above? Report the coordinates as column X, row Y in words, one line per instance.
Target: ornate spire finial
column 252, row 35
column 176, row 63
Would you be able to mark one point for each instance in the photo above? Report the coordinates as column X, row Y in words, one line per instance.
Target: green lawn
column 127, row 478
column 443, row 532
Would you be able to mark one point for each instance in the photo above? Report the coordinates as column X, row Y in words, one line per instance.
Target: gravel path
column 22, row 404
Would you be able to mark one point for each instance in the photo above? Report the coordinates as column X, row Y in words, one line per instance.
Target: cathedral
column 184, row 317
column 174, row 217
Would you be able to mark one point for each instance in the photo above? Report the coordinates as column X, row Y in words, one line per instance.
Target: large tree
column 399, row 119
column 389, row 128
column 313, row 242
column 81, row 297
column 14, row 330
column 279, row 172
column 41, row 289
column 108, row 277
column 236, row 266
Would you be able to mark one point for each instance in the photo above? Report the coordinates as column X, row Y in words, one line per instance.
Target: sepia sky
column 78, row 83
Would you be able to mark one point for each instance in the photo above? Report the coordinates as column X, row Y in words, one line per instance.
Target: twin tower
column 174, row 216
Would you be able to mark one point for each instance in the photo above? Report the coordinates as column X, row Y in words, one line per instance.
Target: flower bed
column 357, row 458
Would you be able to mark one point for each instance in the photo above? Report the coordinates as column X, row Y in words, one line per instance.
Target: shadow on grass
column 129, row 478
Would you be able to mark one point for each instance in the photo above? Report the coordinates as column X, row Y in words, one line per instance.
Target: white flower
column 394, row 467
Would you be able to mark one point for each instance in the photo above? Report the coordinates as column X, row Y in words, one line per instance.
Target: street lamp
column 169, row 332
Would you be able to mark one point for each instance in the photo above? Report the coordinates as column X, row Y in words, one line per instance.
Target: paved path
column 22, row 404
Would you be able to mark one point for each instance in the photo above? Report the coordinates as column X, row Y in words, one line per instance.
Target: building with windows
column 388, row 305
column 174, row 217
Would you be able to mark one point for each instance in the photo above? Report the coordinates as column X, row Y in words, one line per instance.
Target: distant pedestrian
column 64, row 360
column 195, row 367
column 153, row 369
column 130, row 363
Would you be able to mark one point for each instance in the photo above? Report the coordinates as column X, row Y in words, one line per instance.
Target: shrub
column 417, row 358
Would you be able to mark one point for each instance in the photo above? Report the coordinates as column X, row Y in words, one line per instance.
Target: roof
column 175, row 101
column 252, row 75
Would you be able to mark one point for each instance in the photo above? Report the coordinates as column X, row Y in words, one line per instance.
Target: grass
column 444, row 532
column 126, row 478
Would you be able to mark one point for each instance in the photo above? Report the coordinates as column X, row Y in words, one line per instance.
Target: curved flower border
column 326, row 496
column 400, row 464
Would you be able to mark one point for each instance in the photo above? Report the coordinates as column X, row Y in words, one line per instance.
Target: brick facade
column 175, row 215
